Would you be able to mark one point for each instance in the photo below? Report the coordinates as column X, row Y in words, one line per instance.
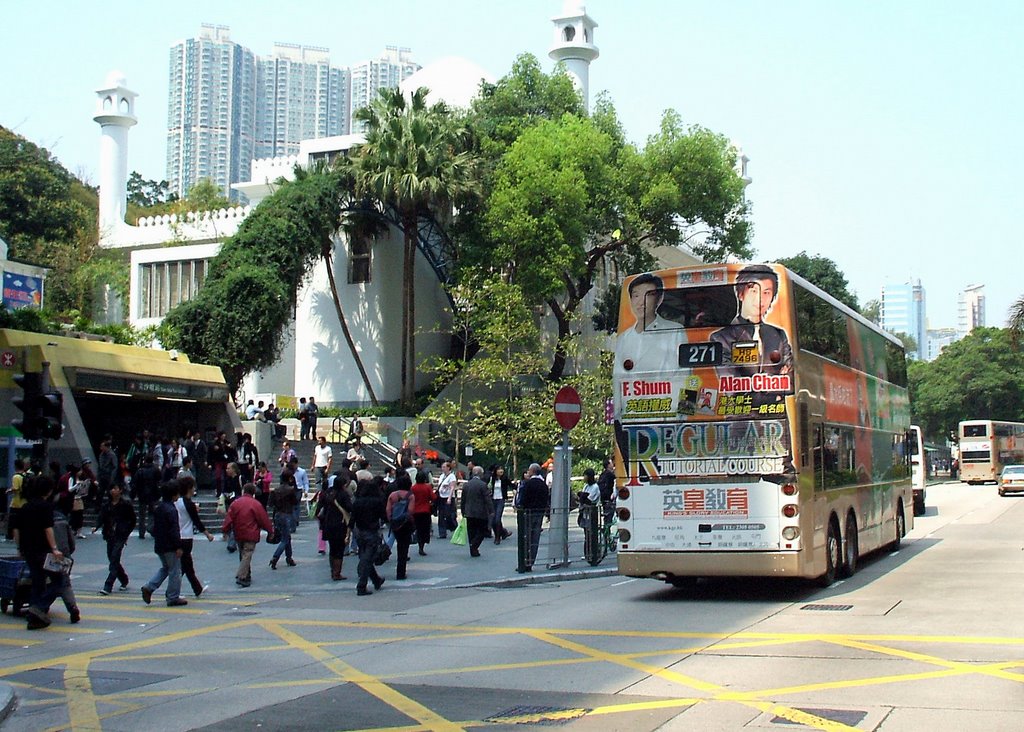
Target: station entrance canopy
column 117, row 390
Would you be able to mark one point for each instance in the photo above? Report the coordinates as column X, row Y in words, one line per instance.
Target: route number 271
column 692, row 355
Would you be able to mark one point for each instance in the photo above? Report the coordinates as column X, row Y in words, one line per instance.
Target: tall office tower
column 903, row 311
column 391, row 69
column 970, row 309
column 211, row 111
column 300, row 97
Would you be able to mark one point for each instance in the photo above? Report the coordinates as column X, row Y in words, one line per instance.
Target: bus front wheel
column 833, row 556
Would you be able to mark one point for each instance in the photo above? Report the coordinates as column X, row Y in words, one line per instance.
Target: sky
column 885, row 135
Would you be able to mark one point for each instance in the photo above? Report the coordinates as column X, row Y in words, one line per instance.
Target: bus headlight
column 624, row 535
column 790, row 532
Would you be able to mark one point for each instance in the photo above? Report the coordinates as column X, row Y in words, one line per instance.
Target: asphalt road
column 929, row 637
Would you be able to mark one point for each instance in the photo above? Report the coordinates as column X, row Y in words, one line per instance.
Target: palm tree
column 1015, row 320
column 328, row 219
column 415, row 165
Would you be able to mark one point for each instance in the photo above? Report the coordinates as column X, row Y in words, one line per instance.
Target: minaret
column 574, row 45
column 115, row 113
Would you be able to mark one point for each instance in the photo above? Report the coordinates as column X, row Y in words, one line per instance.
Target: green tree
column 148, row 193
column 414, row 165
column 872, row 310
column 979, row 377
column 570, row 198
column 824, row 273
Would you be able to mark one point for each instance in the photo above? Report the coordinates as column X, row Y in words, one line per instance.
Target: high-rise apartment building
column 301, row 97
column 970, row 309
column 211, row 111
column 938, row 339
column 903, row 311
column 392, row 68
column 228, row 106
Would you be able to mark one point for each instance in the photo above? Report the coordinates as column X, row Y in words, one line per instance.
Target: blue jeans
column 283, row 527
column 170, row 570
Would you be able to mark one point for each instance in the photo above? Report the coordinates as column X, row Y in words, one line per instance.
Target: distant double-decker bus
column 761, row 427
column 986, row 447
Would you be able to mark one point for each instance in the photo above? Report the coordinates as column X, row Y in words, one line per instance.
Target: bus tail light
column 628, row 364
column 789, row 489
column 790, row 510
column 624, row 535
column 623, row 493
column 623, row 514
column 790, row 533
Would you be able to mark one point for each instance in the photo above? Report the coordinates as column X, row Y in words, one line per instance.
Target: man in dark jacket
column 535, row 501
column 146, row 490
column 167, row 545
column 35, row 538
column 478, row 508
column 116, row 520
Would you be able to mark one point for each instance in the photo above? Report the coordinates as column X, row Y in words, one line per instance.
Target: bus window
column 712, row 306
column 975, row 430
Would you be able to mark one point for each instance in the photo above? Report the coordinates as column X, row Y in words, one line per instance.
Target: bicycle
column 601, row 536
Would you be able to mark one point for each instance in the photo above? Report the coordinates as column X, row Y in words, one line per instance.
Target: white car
column 1011, row 479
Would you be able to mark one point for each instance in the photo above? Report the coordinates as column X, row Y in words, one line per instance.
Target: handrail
column 385, row 448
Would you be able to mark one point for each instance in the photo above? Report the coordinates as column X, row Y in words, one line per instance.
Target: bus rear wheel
column 851, row 547
column 833, row 557
column 901, row 528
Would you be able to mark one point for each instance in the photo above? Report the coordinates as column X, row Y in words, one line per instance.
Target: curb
column 7, row 701
column 538, row 579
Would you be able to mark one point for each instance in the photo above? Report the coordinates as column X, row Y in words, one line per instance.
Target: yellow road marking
column 934, row 660
column 794, row 715
column 196, row 653
column 81, row 701
column 370, row 684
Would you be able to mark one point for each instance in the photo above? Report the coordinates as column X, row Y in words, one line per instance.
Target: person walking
column 116, row 521
column 232, row 489
column 334, row 512
column 146, row 490
column 264, row 481
column 323, row 459
column 500, row 487
column 283, row 501
column 478, row 508
column 424, row 493
column 534, row 500
column 446, row 520
column 189, row 523
column 400, row 507
column 303, row 419
column 167, row 546
column 368, row 512
column 65, row 538
column 35, row 538
column 245, row 518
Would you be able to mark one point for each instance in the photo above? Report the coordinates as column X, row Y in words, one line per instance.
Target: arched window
column 569, row 33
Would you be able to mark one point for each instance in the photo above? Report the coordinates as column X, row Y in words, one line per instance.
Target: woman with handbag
column 283, row 501
column 401, row 505
column 334, row 510
column 446, row 518
column 424, row 493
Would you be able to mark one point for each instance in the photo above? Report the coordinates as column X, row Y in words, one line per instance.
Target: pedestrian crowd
column 358, row 513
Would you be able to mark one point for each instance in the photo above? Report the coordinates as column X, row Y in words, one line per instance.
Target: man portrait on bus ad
column 750, row 345
column 652, row 343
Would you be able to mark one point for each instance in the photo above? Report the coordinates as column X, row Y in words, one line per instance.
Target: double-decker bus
column 986, row 447
column 761, row 427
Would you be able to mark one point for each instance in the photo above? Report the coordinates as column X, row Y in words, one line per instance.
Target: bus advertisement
column 761, row 427
column 986, row 447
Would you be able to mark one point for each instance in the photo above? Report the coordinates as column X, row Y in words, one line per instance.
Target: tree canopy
column 978, row 377
column 823, row 272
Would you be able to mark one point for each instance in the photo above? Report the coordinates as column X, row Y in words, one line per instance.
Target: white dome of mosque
column 115, row 78
column 453, row 80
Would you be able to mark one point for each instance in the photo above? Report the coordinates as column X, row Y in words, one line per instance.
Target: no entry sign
column 567, row 407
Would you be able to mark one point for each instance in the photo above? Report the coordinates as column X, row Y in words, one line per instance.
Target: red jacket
column 246, row 516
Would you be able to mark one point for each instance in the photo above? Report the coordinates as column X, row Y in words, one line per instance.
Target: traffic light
column 30, row 403
column 52, row 418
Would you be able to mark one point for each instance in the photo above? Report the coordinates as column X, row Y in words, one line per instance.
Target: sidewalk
column 445, row 565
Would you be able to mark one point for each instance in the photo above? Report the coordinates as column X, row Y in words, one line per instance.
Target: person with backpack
column 400, row 508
